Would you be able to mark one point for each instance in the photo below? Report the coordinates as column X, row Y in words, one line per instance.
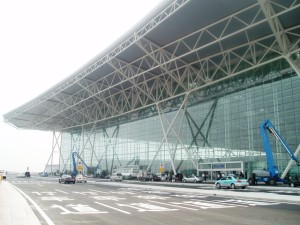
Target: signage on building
column 218, row 166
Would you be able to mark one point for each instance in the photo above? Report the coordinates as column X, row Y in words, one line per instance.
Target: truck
column 3, row 174
column 271, row 174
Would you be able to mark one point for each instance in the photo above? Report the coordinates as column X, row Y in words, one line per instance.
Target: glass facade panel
column 226, row 128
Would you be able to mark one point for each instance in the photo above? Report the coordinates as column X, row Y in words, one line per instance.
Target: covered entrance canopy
column 183, row 47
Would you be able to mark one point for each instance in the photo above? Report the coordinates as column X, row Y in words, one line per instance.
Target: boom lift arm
column 268, row 126
column 75, row 171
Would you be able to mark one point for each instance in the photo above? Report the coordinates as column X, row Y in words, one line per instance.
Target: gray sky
column 41, row 43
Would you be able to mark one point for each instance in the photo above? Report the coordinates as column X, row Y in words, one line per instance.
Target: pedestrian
column 241, row 175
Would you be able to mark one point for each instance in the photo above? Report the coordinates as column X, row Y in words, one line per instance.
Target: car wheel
column 184, row 181
column 195, row 181
column 272, row 182
column 243, row 187
column 251, row 181
column 232, row 186
column 218, row 185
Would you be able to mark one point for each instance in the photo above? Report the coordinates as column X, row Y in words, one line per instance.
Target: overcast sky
column 41, row 43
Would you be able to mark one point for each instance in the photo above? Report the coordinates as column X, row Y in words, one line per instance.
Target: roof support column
column 91, row 142
column 56, row 148
column 166, row 131
column 111, row 142
column 164, row 140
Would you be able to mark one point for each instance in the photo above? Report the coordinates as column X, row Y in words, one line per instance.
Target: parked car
column 192, row 179
column 162, row 176
column 21, row 175
column 80, row 178
column 295, row 182
column 116, row 177
column 231, row 182
column 66, row 179
column 151, row 178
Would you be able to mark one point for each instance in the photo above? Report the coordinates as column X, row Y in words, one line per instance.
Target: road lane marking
column 61, row 191
column 103, row 192
column 148, row 197
column 146, row 207
column 173, row 205
column 108, row 198
column 53, row 198
column 224, row 202
column 122, row 211
column 85, row 193
column 80, row 209
column 189, row 196
column 206, row 205
column 42, row 213
column 249, row 202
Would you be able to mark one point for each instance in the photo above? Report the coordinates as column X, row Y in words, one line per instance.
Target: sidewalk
column 14, row 210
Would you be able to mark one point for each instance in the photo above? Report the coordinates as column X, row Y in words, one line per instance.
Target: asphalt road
column 96, row 203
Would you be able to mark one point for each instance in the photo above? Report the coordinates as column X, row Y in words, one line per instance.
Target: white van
column 116, row 177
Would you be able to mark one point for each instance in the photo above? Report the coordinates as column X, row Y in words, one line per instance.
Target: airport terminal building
column 185, row 91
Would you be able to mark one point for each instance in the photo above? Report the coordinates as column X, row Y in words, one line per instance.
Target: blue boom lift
column 271, row 175
column 75, row 170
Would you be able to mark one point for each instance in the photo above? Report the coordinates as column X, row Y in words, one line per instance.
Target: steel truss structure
column 152, row 73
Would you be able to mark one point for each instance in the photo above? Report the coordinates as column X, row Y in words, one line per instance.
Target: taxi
column 231, row 182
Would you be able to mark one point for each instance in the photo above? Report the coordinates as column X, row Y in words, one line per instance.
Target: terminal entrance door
column 214, row 170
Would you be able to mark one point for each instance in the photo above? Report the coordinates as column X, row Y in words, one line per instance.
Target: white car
column 80, row 178
column 116, row 177
column 192, row 179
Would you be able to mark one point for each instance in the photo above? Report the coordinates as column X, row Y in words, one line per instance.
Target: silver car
column 192, row 179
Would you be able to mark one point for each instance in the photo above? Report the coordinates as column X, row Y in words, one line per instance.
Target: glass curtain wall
column 225, row 128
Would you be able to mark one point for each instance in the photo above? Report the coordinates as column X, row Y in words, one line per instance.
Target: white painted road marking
column 122, row 211
column 206, row 205
column 80, row 209
column 43, row 214
column 108, row 198
column 146, row 207
column 173, row 204
column 152, row 197
column 61, row 191
column 53, row 198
